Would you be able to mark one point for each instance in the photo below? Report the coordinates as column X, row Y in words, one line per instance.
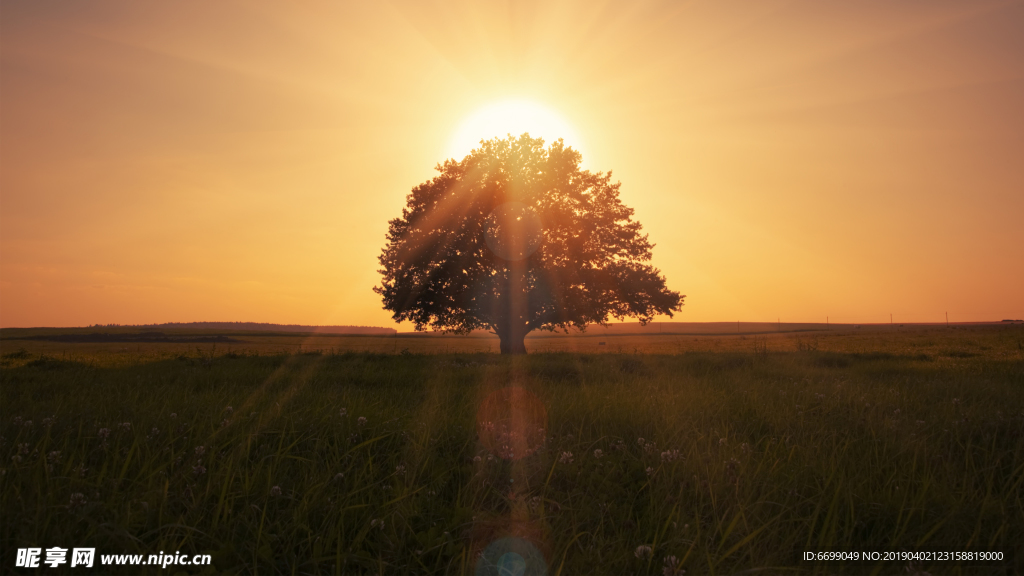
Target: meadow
column 712, row 454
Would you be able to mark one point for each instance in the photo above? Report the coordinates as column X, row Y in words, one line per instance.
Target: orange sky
column 184, row 161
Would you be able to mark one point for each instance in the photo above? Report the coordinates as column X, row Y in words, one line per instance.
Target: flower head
column 670, row 456
column 77, row 499
column 642, row 552
column 672, row 567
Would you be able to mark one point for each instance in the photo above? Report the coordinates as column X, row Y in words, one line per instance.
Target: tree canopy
column 517, row 237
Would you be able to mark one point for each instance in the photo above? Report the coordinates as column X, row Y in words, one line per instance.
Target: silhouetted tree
column 514, row 238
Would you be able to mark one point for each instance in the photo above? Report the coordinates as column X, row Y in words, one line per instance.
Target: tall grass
column 727, row 461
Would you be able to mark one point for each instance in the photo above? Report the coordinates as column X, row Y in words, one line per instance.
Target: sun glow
column 513, row 117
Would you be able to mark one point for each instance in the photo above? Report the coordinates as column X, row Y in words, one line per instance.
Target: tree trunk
column 516, row 312
column 512, row 344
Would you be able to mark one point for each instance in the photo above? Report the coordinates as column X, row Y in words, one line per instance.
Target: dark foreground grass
column 728, row 462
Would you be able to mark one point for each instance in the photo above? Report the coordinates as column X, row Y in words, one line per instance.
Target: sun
column 514, row 117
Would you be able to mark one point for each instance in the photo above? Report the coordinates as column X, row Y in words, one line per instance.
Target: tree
column 517, row 237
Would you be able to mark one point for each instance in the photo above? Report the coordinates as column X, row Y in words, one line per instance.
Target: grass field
column 355, row 455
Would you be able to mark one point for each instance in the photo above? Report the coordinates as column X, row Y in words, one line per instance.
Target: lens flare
column 511, row 423
column 511, row 556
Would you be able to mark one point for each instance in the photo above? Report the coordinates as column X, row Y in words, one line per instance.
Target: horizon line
column 610, row 324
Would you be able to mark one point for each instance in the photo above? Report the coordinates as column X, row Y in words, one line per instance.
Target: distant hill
column 265, row 327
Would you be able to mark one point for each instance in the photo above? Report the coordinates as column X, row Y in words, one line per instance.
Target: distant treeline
column 266, row 327
column 123, row 337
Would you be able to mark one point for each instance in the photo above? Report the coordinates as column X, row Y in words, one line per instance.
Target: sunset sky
column 223, row 161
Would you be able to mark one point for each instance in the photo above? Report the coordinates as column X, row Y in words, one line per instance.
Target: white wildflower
column 672, row 567
column 670, row 456
column 77, row 499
